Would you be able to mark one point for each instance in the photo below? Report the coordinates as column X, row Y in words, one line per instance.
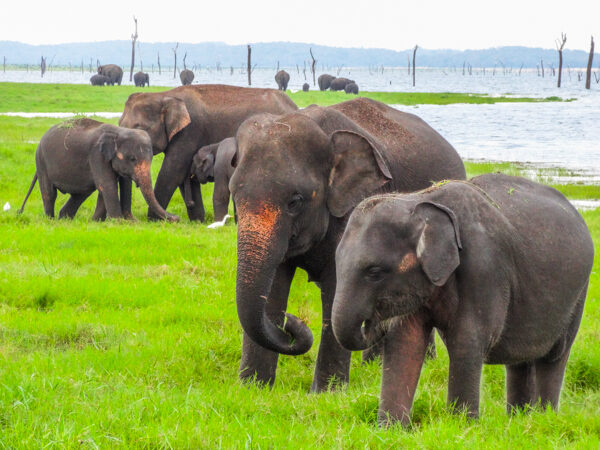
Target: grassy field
column 125, row 335
column 26, row 97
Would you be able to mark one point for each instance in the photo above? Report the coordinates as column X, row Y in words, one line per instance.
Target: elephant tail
column 35, row 177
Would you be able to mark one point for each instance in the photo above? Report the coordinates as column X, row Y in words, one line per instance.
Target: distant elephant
column 99, row 80
column 113, row 72
column 141, row 79
column 305, row 87
column 351, row 88
column 338, row 84
column 81, row 156
column 282, row 78
column 182, row 120
column 324, row 81
column 214, row 163
column 297, row 178
column 186, row 76
column 499, row 265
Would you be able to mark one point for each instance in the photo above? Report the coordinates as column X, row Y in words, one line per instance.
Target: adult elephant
column 182, row 120
column 141, row 79
column 113, row 72
column 186, row 76
column 339, row 84
column 321, row 162
column 282, row 78
column 324, row 81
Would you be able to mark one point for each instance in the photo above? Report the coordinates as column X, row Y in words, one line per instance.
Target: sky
column 396, row 25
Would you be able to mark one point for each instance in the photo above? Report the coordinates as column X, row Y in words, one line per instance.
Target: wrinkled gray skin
column 339, row 84
column 214, row 163
column 113, row 72
column 186, row 76
column 351, row 88
column 141, row 79
column 99, row 80
column 282, row 78
column 305, row 87
column 498, row 265
column 297, row 178
column 81, row 156
column 324, row 81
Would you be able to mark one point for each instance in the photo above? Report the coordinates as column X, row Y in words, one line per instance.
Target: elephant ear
column 207, row 164
column 439, row 243
column 107, row 145
column 175, row 116
column 358, row 170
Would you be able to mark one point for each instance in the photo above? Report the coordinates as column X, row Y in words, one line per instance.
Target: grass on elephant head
column 125, row 335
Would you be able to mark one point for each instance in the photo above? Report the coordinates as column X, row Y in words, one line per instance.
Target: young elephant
column 499, row 265
column 83, row 155
column 214, row 163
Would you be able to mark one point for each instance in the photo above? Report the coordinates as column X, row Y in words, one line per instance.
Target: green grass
column 33, row 97
column 125, row 335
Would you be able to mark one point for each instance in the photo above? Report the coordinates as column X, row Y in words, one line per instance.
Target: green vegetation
column 125, row 335
column 32, row 97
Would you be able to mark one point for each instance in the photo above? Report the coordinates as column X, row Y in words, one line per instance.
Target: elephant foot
column 248, row 375
column 333, row 383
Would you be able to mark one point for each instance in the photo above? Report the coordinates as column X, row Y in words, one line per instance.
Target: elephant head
column 161, row 117
column 291, row 180
column 203, row 164
column 393, row 255
column 129, row 152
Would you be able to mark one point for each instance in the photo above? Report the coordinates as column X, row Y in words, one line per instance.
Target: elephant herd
column 325, row 81
column 111, row 74
column 498, row 265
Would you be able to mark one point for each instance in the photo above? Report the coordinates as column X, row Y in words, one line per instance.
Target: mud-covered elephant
column 182, row 120
column 498, row 265
column 324, row 81
column 113, row 72
column 282, row 78
column 351, row 88
column 186, row 76
column 339, row 84
column 321, row 162
column 141, row 79
column 99, row 80
column 214, row 163
column 80, row 156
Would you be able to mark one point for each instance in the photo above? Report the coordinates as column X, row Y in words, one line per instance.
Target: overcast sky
column 397, row 25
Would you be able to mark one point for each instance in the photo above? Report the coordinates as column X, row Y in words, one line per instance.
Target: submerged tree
column 312, row 67
column 175, row 56
column 413, row 62
column 249, row 65
column 133, row 40
column 560, row 44
column 588, row 75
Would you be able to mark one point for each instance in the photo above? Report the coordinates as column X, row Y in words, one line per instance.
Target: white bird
column 221, row 223
column 6, row 206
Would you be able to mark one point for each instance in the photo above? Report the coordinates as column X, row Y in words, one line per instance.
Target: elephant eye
column 375, row 273
column 132, row 158
column 295, row 204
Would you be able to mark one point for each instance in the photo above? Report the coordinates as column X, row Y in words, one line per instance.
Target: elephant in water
column 186, row 76
column 282, row 78
column 113, row 72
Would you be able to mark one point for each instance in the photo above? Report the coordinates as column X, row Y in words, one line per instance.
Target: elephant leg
column 72, row 206
column 220, row 200
column 100, row 212
column 463, row 382
column 372, row 352
column 333, row 361
column 197, row 211
column 257, row 362
column 549, row 378
column 48, row 194
column 125, row 188
column 110, row 197
column 520, row 386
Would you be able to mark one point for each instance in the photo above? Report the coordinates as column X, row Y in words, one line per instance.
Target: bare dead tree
column 175, row 57
column 542, row 64
column 81, row 66
column 560, row 44
column 184, row 57
column 4, row 65
column 304, row 70
column 339, row 69
column 158, row 56
column 90, row 65
column 408, row 59
column 297, row 69
column 249, row 65
column 464, row 64
column 312, row 67
column 588, row 74
column 231, row 70
column 413, row 62
column 134, row 37
column 43, row 66
column 277, row 66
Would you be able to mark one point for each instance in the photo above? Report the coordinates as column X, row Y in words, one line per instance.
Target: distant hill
column 288, row 54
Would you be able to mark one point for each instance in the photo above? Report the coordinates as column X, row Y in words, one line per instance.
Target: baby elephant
column 141, row 79
column 99, row 80
column 80, row 156
column 499, row 265
column 214, row 162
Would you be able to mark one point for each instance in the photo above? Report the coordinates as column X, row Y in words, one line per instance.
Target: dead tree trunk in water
column 249, row 65
column 559, row 46
column 413, row 64
column 408, row 60
column 588, row 75
column 175, row 56
column 542, row 62
column 184, row 56
column 43, row 66
column 134, row 37
column 4, row 65
column 312, row 67
column 158, row 56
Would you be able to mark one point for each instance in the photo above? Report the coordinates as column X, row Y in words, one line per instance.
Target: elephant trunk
column 142, row 178
column 347, row 323
column 260, row 251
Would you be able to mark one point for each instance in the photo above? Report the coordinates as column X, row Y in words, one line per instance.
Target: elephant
column 339, row 84
column 282, row 78
column 141, row 79
column 499, row 265
column 351, row 88
column 113, row 72
column 99, row 80
column 80, row 156
column 213, row 163
column 186, row 76
column 182, row 120
column 324, row 81
column 297, row 177
column 305, row 87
